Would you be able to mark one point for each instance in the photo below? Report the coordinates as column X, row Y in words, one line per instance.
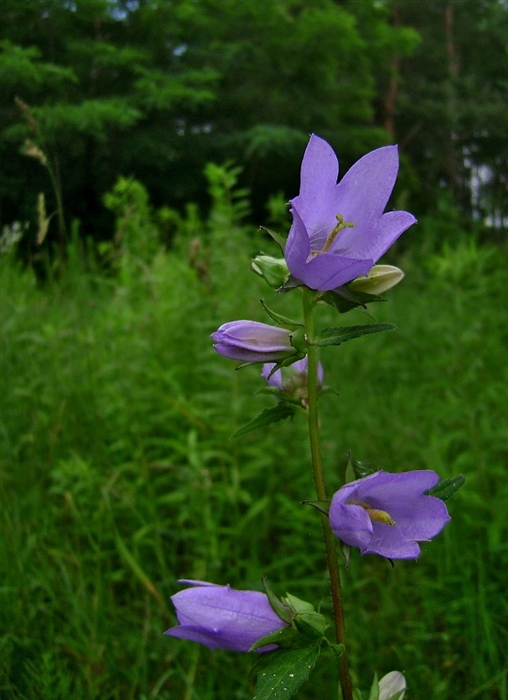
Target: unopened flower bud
column 392, row 684
column 251, row 341
column 223, row 618
column 379, row 280
column 273, row 270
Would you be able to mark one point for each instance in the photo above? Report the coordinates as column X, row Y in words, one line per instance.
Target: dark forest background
column 94, row 90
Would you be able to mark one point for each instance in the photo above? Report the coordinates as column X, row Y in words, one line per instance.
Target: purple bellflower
column 251, row 341
column 222, row 618
column 339, row 230
column 388, row 514
column 292, row 380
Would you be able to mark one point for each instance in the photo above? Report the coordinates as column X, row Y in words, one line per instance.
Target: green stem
column 317, row 466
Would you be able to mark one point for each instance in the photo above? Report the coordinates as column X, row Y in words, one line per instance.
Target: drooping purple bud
column 251, row 341
column 221, row 617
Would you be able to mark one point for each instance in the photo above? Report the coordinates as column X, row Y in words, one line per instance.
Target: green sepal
column 338, row 649
column 285, row 614
column 374, row 689
column 273, row 270
column 283, row 638
column 299, row 341
column 267, row 416
column 309, row 622
column 311, row 625
column 349, row 300
column 277, row 237
column 321, row 506
column 337, row 336
column 284, row 672
column 357, row 694
column 356, row 469
column 446, row 488
column 282, row 321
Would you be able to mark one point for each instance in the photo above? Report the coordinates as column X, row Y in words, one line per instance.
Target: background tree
column 157, row 89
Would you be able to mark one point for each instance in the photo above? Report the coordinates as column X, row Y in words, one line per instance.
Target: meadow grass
column 118, row 475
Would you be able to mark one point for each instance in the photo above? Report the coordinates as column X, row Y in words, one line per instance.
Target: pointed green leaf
column 267, row 416
column 337, row 336
column 285, row 672
column 447, row 488
column 348, row 300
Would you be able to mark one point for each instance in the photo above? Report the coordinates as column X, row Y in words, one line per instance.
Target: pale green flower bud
column 273, row 270
column 379, row 280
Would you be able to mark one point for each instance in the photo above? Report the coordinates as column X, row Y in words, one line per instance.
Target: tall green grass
column 117, row 474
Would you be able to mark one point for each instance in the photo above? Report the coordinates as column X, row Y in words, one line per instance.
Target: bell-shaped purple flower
column 251, row 341
column 223, row 618
column 388, row 514
column 339, row 230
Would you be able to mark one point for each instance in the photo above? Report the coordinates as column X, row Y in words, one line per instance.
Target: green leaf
column 447, row 488
column 266, row 417
column 348, row 300
column 337, row 336
column 285, row 672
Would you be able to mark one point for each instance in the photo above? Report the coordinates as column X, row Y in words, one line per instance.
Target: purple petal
column 219, row 616
column 350, row 523
column 252, row 335
column 365, row 189
column 317, row 198
column 234, row 353
column 388, row 541
column 325, row 271
column 276, row 378
column 297, row 248
column 251, row 341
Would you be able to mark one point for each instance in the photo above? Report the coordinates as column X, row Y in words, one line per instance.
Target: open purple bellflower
column 339, row 231
column 223, row 618
column 251, row 341
column 388, row 514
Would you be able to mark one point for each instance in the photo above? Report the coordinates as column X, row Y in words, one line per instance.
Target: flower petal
column 350, row 523
column 365, row 189
column 317, row 199
column 388, row 541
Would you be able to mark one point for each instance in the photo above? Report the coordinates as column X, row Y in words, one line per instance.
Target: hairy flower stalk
column 317, row 466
